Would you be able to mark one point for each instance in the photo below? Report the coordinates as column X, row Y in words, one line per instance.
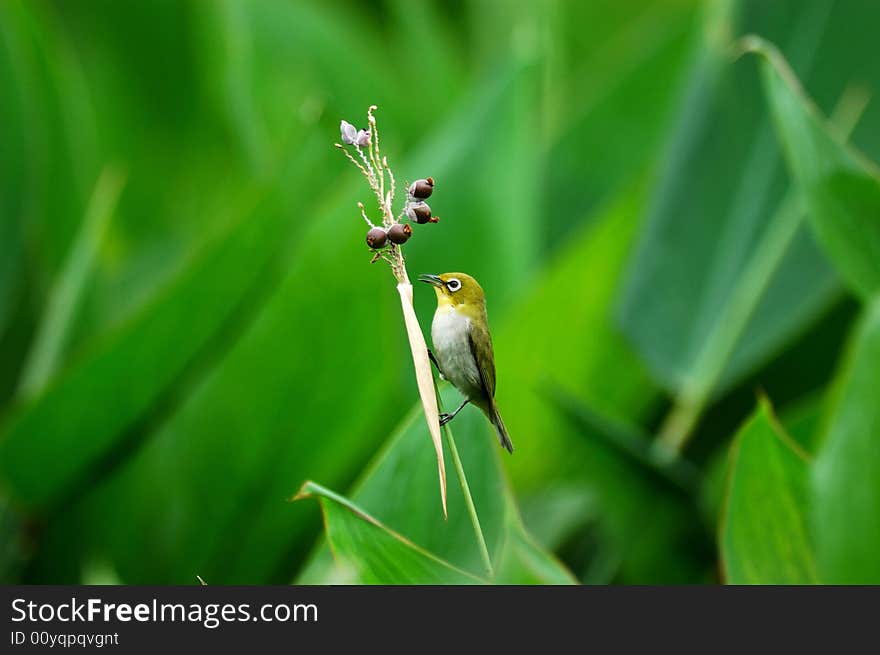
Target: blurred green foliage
column 765, row 534
column 190, row 329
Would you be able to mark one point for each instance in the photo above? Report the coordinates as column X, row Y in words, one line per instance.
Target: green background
column 681, row 258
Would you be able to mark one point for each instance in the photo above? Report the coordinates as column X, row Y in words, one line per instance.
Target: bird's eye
column 453, row 285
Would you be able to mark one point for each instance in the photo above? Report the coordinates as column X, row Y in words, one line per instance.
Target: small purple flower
column 349, row 133
column 363, row 138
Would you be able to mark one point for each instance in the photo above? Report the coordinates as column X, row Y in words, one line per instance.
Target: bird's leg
column 445, row 418
column 436, row 364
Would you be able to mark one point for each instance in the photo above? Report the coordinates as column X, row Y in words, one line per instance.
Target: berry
column 419, row 212
column 376, row 238
column 399, row 233
column 422, row 189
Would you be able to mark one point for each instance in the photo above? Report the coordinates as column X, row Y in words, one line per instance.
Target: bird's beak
column 433, row 280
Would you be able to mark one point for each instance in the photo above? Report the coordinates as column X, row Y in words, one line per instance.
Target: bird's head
column 455, row 289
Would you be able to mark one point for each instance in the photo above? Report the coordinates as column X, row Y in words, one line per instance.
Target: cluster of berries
column 416, row 210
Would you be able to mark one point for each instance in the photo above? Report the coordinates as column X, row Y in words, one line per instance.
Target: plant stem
column 468, row 499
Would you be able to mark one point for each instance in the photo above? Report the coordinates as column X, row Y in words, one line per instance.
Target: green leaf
column 66, row 294
column 13, row 540
column 367, row 552
column 846, row 476
column 49, row 142
column 12, row 176
column 802, row 421
column 618, row 113
column 399, row 491
column 586, row 357
column 725, row 272
column 764, row 535
column 627, row 442
column 840, row 186
column 158, row 345
column 576, row 289
column 524, row 561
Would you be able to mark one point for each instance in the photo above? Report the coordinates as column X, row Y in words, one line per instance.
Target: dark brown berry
column 376, row 238
column 399, row 233
column 419, row 213
column 422, row 189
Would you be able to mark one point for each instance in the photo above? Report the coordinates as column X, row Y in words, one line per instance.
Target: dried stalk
column 374, row 168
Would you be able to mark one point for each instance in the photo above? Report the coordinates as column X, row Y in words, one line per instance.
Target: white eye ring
column 453, row 285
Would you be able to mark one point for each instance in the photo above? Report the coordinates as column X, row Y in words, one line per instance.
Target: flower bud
column 376, row 238
column 399, row 233
column 349, row 133
column 421, row 189
column 418, row 212
column 363, row 138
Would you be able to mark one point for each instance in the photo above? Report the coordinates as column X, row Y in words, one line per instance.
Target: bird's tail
column 503, row 437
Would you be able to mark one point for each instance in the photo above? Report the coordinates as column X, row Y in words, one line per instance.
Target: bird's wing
column 484, row 358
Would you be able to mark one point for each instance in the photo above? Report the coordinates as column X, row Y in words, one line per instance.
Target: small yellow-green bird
column 463, row 346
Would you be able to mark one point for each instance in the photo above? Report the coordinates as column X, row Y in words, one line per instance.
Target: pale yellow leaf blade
column 424, row 379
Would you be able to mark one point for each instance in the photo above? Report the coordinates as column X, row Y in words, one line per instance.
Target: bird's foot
column 445, row 418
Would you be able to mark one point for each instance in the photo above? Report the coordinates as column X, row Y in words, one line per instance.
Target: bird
column 463, row 346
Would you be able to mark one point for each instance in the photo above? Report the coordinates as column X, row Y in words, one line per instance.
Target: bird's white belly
column 449, row 334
